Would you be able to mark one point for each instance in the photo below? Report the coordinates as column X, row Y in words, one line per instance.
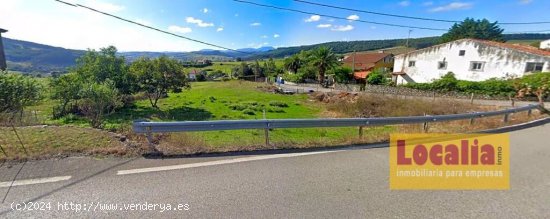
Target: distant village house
column 364, row 63
column 469, row 59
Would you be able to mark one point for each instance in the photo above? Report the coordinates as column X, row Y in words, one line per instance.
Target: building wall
column 498, row 62
column 545, row 44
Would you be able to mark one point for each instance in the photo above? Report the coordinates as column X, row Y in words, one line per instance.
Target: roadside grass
column 57, row 141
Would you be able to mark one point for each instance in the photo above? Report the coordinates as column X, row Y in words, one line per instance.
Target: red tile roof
column 361, row 74
column 524, row 48
column 364, row 60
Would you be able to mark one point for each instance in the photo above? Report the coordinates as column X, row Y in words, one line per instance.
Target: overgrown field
column 225, row 101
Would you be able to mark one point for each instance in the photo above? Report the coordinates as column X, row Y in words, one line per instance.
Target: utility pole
column 353, row 63
column 407, row 44
column 3, row 65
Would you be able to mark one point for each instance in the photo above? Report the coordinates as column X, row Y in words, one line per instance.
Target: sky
column 236, row 25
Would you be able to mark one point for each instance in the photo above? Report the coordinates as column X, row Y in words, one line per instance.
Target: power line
column 340, row 18
column 149, row 27
column 411, row 17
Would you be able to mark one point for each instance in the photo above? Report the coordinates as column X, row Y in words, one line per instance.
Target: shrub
column 17, row 92
column 446, row 83
column 278, row 104
column 342, row 74
column 249, row 112
column 98, row 100
column 377, row 77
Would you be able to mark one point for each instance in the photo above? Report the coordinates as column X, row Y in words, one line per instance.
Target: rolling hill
column 29, row 57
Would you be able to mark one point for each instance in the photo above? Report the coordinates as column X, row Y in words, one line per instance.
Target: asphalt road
column 344, row 183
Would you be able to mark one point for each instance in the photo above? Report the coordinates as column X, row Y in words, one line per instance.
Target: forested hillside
column 31, row 57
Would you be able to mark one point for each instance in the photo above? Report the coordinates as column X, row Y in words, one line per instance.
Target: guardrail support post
column 360, row 132
column 425, row 127
column 505, row 120
column 529, row 113
column 149, row 135
column 472, row 99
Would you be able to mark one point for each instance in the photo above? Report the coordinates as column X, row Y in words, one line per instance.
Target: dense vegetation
column 477, row 29
column 536, row 84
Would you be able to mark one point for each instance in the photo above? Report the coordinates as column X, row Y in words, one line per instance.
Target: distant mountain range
column 29, row 57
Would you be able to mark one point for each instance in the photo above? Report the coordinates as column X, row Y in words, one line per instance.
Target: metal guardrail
column 149, row 127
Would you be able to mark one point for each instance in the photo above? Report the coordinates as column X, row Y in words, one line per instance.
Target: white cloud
column 28, row 20
column 525, row 2
column 342, row 28
column 324, row 25
column 255, row 24
column 205, row 10
column 264, row 36
column 198, row 22
column 404, row 3
column 179, row 29
column 104, row 6
column 276, row 35
column 430, row 3
column 313, row 18
column 220, row 29
column 452, row 6
column 353, row 17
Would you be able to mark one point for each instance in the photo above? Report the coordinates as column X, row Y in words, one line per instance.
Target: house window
column 442, row 65
column 412, row 63
column 476, row 66
column 461, row 52
column 534, row 67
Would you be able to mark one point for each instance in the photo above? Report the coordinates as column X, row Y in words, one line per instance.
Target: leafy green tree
column 293, row 63
column 104, row 64
column 156, row 77
column 98, row 100
column 342, row 74
column 66, row 89
column 17, row 92
column 477, row 29
column 257, row 69
column 537, row 84
column 323, row 59
column 270, row 67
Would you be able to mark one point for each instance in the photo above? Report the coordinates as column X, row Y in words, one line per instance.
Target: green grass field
column 226, row 67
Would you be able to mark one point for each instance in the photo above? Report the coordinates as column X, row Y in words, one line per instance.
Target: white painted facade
column 468, row 59
column 545, row 44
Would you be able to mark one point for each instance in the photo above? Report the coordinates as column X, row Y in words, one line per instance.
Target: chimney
column 3, row 65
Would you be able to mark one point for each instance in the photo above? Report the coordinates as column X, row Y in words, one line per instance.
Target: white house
column 545, row 44
column 469, row 59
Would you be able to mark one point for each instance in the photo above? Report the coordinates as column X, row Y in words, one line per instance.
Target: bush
column 98, row 100
column 377, row 77
column 17, row 92
column 249, row 112
column 342, row 74
column 446, row 83
column 278, row 104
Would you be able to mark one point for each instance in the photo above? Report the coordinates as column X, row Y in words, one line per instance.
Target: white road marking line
column 217, row 162
column 34, row 181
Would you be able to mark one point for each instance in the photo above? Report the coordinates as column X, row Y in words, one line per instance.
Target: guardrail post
column 472, row 99
column 505, row 120
column 360, row 132
column 529, row 112
column 149, row 135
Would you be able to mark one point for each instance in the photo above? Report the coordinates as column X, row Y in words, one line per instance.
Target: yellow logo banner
column 450, row 161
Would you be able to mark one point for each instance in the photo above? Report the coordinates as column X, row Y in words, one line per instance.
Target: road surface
column 343, row 183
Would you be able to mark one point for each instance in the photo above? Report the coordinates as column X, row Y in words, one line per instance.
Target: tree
column 257, row 69
column 293, row 63
column 17, row 92
column 156, row 77
column 98, row 66
column 97, row 100
column 537, row 84
column 342, row 74
column 270, row 67
column 477, row 29
column 377, row 77
column 66, row 89
column 323, row 59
